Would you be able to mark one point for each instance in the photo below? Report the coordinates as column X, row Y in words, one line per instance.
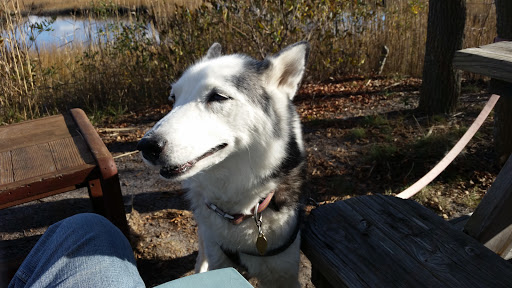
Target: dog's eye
column 216, row 97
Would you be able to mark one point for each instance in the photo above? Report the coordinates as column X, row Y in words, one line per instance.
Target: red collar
column 238, row 218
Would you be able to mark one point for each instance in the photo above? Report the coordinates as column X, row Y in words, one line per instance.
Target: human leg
column 84, row 250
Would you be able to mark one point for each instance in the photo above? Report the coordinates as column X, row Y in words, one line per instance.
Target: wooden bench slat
column 33, row 132
column 463, row 252
column 486, row 60
column 367, row 253
column 418, row 244
column 6, row 173
column 32, row 161
column 70, row 152
column 320, row 253
column 475, row 253
column 502, row 48
column 384, row 241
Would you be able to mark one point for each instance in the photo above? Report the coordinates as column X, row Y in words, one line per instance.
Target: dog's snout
column 151, row 147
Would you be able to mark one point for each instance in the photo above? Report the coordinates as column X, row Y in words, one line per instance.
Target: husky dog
column 234, row 138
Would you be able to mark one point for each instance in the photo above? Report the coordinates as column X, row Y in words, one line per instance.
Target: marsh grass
column 63, row 7
column 127, row 69
column 121, row 69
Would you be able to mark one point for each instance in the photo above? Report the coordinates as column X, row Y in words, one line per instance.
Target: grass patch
column 357, row 133
column 471, row 198
column 381, row 152
column 431, row 196
column 434, row 146
column 375, row 120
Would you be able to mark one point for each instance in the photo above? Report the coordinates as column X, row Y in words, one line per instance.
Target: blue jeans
column 84, row 250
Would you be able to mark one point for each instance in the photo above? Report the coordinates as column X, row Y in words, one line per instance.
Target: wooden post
column 491, row 224
column 502, row 115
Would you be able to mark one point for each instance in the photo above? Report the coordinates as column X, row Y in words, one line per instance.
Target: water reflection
column 65, row 30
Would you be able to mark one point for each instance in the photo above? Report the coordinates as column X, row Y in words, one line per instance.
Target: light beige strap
column 432, row 174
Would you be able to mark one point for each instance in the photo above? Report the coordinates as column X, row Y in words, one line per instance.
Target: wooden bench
column 56, row 154
column 385, row 241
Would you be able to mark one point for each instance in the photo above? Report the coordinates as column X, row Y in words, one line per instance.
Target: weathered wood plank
column 32, row 161
column 502, row 47
column 28, row 197
column 100, row 153
column 383, row 241
column 70, row 152
column 459, row 222
column 489, row 60
column 6, row 173
column 322, row 254
column 418, row 241
column 55, row 154
column 351, row 250
column 35, row 132
column 475, row 255
column 468, row 257
column 491, row 223
column 44, row 185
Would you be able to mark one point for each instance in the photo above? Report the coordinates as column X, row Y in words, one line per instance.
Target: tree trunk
column 503, row 109
column 445, row 32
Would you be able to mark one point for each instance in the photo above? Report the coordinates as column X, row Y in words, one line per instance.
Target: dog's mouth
column 173, row 171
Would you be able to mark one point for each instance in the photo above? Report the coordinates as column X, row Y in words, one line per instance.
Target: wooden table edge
column 33, row 188
column 98, row 149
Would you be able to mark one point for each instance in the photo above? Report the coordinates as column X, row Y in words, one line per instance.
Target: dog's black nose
column 151, row 147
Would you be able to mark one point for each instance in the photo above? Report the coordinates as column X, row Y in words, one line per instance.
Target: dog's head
column 222, row 105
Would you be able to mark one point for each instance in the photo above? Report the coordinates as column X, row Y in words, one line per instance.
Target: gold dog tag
column 261, row 244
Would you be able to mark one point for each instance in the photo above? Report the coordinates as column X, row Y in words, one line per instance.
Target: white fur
column 232, row 178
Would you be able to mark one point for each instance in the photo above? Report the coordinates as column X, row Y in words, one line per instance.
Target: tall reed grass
column 126, row 68
column 123, row 68
column 78, row 7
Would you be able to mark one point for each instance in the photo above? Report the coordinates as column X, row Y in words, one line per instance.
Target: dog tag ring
column 261, row 241
column 261, row 244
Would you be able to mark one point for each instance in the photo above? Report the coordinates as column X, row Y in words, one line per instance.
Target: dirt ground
column 362, row 137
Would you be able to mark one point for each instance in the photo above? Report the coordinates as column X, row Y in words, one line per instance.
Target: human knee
column 90, row 231
column 86, row 220
column 86, row 224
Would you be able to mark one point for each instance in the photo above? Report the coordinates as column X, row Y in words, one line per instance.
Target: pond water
column 66, row 30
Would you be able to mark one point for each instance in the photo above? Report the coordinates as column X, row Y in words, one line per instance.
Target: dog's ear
column 214, row 51
column 287, row 68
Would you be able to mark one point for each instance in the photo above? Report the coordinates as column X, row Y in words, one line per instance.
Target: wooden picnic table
column 385, row 241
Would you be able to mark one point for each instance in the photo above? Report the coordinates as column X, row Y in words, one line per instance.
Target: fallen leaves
column 163, row 234
column 345, row 123
column 365, row 132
